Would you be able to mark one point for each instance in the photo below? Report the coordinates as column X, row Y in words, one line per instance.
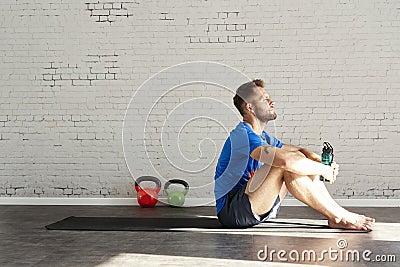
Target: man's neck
column 256, row 125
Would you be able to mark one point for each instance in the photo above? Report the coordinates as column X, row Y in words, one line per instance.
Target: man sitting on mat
column 255, row 171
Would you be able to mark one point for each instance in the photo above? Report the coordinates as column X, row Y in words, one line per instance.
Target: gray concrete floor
column 25, row 242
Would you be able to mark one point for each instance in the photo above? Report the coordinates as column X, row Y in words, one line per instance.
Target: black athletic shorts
column 237, row 212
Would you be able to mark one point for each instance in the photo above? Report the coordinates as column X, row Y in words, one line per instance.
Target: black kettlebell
column 176, row 198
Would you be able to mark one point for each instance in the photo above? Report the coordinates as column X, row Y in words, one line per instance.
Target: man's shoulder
column 240, row 129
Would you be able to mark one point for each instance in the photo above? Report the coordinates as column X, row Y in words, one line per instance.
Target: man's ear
column 249, row 107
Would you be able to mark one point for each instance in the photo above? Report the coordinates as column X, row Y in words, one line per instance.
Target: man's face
column 263, row 106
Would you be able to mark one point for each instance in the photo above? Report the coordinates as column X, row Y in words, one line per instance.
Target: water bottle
column 327, row 157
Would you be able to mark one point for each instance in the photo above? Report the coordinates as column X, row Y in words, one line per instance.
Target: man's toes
column 370, row 219
column 368, row 225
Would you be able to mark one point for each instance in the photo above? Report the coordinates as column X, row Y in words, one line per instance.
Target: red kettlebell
column 147, row 197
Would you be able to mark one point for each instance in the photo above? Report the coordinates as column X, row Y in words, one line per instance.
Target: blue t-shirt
column 234, row 169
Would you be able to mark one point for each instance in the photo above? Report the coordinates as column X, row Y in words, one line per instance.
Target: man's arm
column 291, row 161
column 308, row 153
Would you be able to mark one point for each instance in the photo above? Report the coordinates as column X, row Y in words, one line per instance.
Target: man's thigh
column 264, row 187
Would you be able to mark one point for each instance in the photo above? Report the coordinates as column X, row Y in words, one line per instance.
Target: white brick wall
column 69, row 70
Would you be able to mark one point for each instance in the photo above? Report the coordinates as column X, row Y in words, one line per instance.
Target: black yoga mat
column 186, row 224
column 132, row 224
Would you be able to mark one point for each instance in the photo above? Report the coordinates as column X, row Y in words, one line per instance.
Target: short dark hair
column 244, row 91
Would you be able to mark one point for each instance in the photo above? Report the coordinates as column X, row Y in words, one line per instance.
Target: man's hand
column 331, row 172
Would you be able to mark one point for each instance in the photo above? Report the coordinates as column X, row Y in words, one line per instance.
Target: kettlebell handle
column 176, row 181
column 148, row 178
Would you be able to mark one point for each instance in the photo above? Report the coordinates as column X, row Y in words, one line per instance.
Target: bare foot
column 368, row 219
column 353, row 221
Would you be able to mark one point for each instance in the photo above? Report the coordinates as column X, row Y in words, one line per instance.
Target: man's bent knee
column 300, row 154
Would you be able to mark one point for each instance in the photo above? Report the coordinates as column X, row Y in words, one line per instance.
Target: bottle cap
column 327, row 148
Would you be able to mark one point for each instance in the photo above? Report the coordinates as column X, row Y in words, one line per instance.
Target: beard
column 267, row 117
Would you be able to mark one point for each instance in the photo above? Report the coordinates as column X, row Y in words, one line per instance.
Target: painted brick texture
column 70, row 68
